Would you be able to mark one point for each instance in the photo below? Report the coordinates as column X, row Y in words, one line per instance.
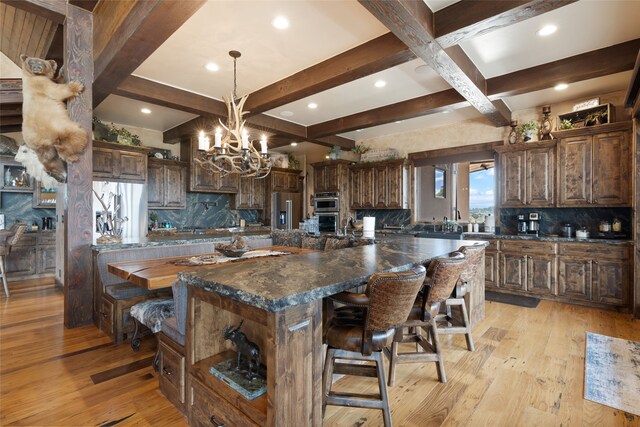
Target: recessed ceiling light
column 294, row 144
column 326, row 157
column 547, row 30
column 145, row 111
column 312, row 105
column 380, row 83
column 212, row 67
column 561, row 86
column 422, row 69
column 286, row 113
column 280, row 22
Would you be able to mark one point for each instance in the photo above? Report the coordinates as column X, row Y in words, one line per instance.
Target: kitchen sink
column 439, row 235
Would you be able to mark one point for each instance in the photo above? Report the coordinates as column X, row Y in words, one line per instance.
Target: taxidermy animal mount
column 29, row 159
column 46, row 127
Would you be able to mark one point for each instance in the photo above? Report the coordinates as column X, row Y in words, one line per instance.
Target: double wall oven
column 327, row 207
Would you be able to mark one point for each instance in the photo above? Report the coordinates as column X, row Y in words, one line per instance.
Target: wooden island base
column 291, row 350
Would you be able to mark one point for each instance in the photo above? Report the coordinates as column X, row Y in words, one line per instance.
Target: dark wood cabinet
column 278, row 180
column 574, row 278
column 528, row 266
column 250, row 194
column 379, row 185
column 527, row 176
column 491, row 264
column 166, row 184
column 200, row 179
column 34, row 255
column 513, row 271
column 330, row 176
column 594, row 166
column 116, row 162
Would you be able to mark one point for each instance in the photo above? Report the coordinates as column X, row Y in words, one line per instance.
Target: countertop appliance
column 567, row 230
column 326, row 202
column 522, row 224
column 286, row 210
column 534, row 223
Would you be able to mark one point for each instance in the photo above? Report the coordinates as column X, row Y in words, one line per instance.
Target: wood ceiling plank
column 467, row 19
column 34, row 37
column 25, row 34
column 13, row 51
column 141, row 32
column 429, row 104
column 88, row 5
column 411, row 22
column 54, row 50
column 371, row 57
column 45, row 39
column 53, row 10
column 7, row 14
column 597, row 63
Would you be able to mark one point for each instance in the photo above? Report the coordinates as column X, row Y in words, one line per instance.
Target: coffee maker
column 534, row 223
column 522, row 224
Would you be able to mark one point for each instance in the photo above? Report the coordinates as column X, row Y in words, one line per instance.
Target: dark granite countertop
column 278, row 283
column 178, row 239
column 544, row 238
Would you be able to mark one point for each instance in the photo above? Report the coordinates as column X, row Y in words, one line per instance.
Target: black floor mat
column 518, row 300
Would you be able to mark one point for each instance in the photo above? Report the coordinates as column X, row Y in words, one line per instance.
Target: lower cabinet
column 171, row 367
column 207, row 408
column 586, row 273
column 33, row 255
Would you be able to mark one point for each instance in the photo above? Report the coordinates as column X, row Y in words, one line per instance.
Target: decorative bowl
column 231, row 252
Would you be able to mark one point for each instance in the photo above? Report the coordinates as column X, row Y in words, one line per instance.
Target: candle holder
column 513, row 135
column 545, row 129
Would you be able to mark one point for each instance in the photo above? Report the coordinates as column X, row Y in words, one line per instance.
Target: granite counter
column 480, row 236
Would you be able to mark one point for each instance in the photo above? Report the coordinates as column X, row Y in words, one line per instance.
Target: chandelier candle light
column 232, row 152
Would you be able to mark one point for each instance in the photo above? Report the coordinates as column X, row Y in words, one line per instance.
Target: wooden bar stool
column 362, row 329
column 442, row 276
column 6, row 242
column 449, row 323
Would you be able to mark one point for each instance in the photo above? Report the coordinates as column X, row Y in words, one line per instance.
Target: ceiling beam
column 412, row 22
column 429, row 104
column 467, row 19
column 633, row 91
column 134, row 37
column 597, row 63
column 371, row 57
column 88, row 5
column 53, row 10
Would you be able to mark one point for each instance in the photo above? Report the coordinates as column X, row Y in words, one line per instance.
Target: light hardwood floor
column 527, row 370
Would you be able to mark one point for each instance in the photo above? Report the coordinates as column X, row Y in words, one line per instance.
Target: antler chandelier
column 232, row 151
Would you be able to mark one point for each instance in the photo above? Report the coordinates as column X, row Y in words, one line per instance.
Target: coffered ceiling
column 281, row 66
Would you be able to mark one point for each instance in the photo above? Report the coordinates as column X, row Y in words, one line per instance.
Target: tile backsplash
column 393, row 217
column 18, row 207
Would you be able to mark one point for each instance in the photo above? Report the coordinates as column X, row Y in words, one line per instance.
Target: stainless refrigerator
column 286, row 210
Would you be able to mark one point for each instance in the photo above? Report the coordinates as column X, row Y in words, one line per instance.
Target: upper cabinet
column 527, row 175
column 117, row 162
column 378, row 185
column 284, row 180
column 200, row 179
column 595, row 166
column 251, row 194
column 167, row 184
column 330, row 176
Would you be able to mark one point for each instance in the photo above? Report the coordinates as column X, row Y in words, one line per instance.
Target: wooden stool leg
column 327, row 377
column 383, row 387
column 436, row 345
column 3, row 273
column 467, row 325
column 393, row 362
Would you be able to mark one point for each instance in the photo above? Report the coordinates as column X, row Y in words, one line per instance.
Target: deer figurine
column 244, row 347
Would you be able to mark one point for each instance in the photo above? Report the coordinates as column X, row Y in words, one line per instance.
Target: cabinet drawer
column 207, row 408
column 172, row 368
column 46, row 238
column 106, row 317
column 26, row 240
column 528, row 247
column 493, row 245
column 594, row 250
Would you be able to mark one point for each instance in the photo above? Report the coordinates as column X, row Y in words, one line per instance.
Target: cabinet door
column 541, row 274
column 155, row 185
column 229, row 183
column 103, row 163
column 257, row 193
column 394, row 186
column 331, row 178
column 46, row 259
column 175, row 189
column 292, row 182
column 380, row 197
column 611, row 281
column 243, row 198
column 368, row 184
column 318, row 179
column 540, row 177
column 131, row 166
column 21, row 261
column 280, row 181
column 575, row 172
column 491, row 270
column 512, row 179
column 355, row 188
column 611, row 167
column 513, row 272
column 574, row 278
column 202, row 180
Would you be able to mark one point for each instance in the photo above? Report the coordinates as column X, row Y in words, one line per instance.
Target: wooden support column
column 78, row 274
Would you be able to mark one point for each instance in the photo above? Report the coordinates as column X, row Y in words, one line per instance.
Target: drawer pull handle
column 167, row 372
column 214, row 422
column 300, row 325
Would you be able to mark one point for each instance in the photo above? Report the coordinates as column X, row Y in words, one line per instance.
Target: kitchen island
column 280, row 302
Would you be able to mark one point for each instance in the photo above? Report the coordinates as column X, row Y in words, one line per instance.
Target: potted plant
column 293, row 162
column 527, row 129
column 123, row 136
column 153, row 219
column 596, row 118
column 334, row 152
column 565, row 124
